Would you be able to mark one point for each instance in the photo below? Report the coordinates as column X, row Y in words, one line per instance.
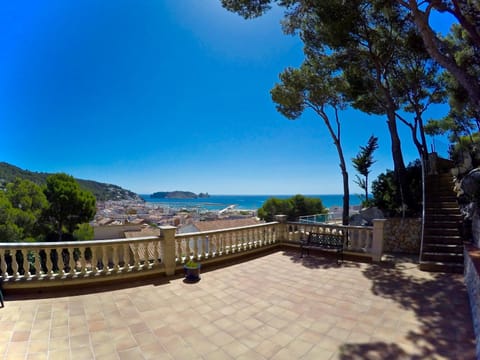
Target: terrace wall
column 402, row 235
column 472, row 281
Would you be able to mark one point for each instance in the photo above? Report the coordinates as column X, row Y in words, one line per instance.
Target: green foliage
column 192, row 264
column 84, row 232
column 9, row 230
column 21, row 205
column 69, row 205
column 293, row 207
column 362, row 163
column 387, row 197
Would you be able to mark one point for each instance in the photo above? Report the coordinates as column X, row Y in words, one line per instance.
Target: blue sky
column 165, row 95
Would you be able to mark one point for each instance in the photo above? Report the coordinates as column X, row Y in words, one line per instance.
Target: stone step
column 437, row 198
column 436, row 266
column 449, row 203
column 438, row 222
column 444, row 257
column 446, row 212
column 440, row 231
column 443, row 248
column 446, row 239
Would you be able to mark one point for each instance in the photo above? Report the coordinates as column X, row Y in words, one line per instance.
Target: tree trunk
column 366, row 188
column 343, row 167
column 468, row 82
column 346, row 197
column 398, row 162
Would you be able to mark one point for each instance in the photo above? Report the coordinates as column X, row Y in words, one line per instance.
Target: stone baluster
column 212, row 245
column 243, row 240
column 188, row 251
column 3, row 264
column 206, row 247
column 38, row 267
column 234, row 242
column 136, row 258
column 61, row 262
column 157, row 252
column 49, row 262
column 16, row 275
column 202, row 248
column 143, row 254
column 199, row 248
column 105, row 259
column 228, row 243
column 353, row 239
column 95, row 259
column 366, row 244
column 71, row 262
column 178, row 243
column 83, row 262
column 218, row 245
column 116, row 261
column 127, row 258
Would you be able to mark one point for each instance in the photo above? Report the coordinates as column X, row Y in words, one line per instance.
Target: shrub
column 386, row 194
column 293, row 207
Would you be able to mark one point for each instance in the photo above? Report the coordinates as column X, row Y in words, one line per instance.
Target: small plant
column 191, row 264
column 192, row 271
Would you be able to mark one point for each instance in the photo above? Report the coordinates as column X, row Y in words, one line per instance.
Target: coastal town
column 114, row 218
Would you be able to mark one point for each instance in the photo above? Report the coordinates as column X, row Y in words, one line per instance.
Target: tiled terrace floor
column 274, row 307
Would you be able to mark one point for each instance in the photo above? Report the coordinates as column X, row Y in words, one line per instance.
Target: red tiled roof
column 224, row 224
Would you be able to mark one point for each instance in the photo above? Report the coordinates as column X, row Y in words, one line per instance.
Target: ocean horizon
column 242, row 202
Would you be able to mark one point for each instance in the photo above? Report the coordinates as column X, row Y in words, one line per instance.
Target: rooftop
column 278, row 306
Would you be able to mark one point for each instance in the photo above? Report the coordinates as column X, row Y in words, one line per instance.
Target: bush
column 293, row 207
column 386, row 194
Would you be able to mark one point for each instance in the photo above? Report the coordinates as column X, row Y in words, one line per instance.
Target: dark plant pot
column 192, row 274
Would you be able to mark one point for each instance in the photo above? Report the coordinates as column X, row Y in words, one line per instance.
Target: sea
column 241, row 202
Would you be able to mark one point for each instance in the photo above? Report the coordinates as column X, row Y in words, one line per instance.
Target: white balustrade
column 113, row 259
column 358, row 239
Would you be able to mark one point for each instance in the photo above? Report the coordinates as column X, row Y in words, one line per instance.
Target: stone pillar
column 377, row 243
column 282, row 228
column 167, row 242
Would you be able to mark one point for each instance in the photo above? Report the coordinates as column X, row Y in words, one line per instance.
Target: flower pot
column 192, row 273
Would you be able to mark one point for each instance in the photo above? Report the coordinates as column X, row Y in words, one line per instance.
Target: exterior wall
column 402, row 235
column 476, row 229
column 113, row 231
column 472, row 281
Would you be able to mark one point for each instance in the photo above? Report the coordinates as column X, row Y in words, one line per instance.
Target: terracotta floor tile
column 273, row 307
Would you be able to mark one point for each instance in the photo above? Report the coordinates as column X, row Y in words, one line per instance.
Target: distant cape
column 178, row 195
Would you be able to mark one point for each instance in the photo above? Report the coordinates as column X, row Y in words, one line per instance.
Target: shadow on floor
column 440, row 302
column 319, row 260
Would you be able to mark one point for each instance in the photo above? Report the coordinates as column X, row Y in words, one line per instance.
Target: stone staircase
column 442, row 242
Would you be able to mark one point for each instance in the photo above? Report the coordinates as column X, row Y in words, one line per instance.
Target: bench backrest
column 327, row 240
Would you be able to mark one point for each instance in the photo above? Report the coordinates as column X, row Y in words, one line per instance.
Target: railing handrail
column 66, row 244
column 220, row 231
column 353, row 227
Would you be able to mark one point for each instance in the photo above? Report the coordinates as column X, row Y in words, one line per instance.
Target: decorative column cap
column 167, row 227
column 281, row 218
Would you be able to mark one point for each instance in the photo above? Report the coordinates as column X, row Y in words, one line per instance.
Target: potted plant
column 192, row 271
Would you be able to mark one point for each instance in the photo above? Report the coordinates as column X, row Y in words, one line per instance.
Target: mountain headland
column 178, row 195
column 101, row 191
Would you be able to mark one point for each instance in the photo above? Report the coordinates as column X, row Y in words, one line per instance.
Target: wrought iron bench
column 332, row 242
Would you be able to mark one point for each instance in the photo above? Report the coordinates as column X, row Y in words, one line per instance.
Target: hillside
column 102, row 191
